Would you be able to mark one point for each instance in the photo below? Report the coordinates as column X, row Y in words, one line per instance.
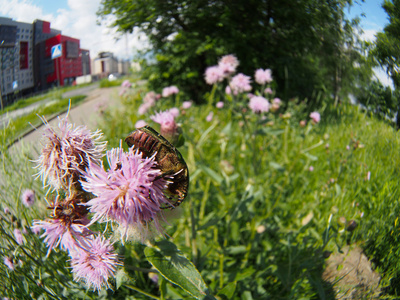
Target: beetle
column 170, row 161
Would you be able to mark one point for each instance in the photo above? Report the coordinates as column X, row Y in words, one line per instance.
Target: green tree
column 387, row 49
column 308, row 44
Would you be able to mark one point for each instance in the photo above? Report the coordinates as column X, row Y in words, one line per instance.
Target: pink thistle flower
column 36, row 230
column 210, row 116
column 315, row 116
column 268, row 91
column 130, row 192
column 186, row 104
column 263, row 76
column 259, row 104
column 220, row 104
column 276, row 104
column 169, row 91
column 213, row 75
column 229, row 60
column 122, row 92
column 150, row 98
column 126, row 84
column 240, row 83
column 143, row 108
column 18, row 236
column 167, row 123
column 28, row 198
column 67, row 153
column 174, row 111
column 140, row 124
column 96, row 264
column 9, row 263
column 277, row 101
column 311, row 168
column 228, row 90
column 70, row 237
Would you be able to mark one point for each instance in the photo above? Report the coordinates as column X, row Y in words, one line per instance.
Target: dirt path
column 84, row 114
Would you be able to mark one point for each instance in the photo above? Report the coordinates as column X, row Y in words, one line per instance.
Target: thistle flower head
column 67, row 153
column 126, row 84
column 170, row 90
column 186, row 104
column 230, row 60
column 9, row 263
column 140, row 124
column 259, row 104
column 315, row 116
column 263, row 76
column 28, row 197
column 66, row 227
column 168, row 126
column 96, row 264
column 130, row 193
column 18, row 236
column 240, row 83
column 214, row 75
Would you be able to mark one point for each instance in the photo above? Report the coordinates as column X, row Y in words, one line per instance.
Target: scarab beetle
column 170, row 161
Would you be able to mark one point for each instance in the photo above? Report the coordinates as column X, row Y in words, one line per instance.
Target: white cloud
column 78, row 21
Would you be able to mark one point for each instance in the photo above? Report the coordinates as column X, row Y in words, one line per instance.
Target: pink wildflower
column 126, row 84
column 315, row 116
column 169, row 91
column 268, row 91
column 131, row 192
column 210, row 116
column 96, row 264
column 167, row 123
column 240, row 83
column 276, row 103
column 311, row 168
column 174, row 111
column 213, row 75
column 143, row 108
column 18, row 236
column 228, row 90
column 28, row 197
column 229, row 60
column 186, row 104
column 67, row 153
column 263, row 76
column 259, row 104
column 150, row 98
column 220, row 104
column 122, row 92
column 9, row 263
column 140, row 124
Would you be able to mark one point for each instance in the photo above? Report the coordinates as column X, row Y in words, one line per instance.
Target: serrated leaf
column 177, row 269
column 121, row 277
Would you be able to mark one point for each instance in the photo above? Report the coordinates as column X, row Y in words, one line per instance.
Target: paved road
column 84, row 114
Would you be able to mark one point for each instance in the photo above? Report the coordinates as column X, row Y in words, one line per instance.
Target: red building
column 69, row 65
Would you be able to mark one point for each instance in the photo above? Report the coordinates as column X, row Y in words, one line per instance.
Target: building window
column 23, row 55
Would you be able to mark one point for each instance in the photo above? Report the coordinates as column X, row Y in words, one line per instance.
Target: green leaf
column 276, row 166
column 176, row 268
column 214, row 175
column 228, row 290
column 121, row 277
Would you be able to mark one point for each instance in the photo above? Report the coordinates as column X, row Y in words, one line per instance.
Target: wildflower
column 260, row 229
column 96, row 264
column 250, row 95
column 143, row 108
column 220, row 104
column 268, row 90
column 186, row 104
column 347, row 147
column 122, row 92
column 174, row 111
column 18, row 236
column 228, row 90
column 311, row 168
column 228, row 65
column 259, row 104
column 210, row 116
column 167, row 123
column 28, row 197
column 368, row 175
column 263, row 76
column 126, row 84
column 9, row 263
column 140, row 124
column 67, row 226
column 150, row 98
column 131, row 192
column 276, row 103
column 303, row 123
column 315, row 116
column 213, row 75
column 240, row 83
column 67, row 153
column 169, row 91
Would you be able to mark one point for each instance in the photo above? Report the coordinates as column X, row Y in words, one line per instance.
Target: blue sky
column 375, row 16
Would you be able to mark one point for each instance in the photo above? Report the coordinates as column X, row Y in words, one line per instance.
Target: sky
column 77, row 18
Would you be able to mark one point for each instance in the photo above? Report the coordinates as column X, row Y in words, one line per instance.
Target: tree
column 387, row 50
column 308, row 44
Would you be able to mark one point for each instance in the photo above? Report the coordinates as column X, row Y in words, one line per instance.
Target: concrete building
column 104, row 64
column 16, row 58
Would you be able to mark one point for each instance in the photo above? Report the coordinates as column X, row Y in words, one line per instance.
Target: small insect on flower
column 168, row 158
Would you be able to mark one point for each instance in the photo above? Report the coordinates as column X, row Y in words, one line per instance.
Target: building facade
column 16, row 57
